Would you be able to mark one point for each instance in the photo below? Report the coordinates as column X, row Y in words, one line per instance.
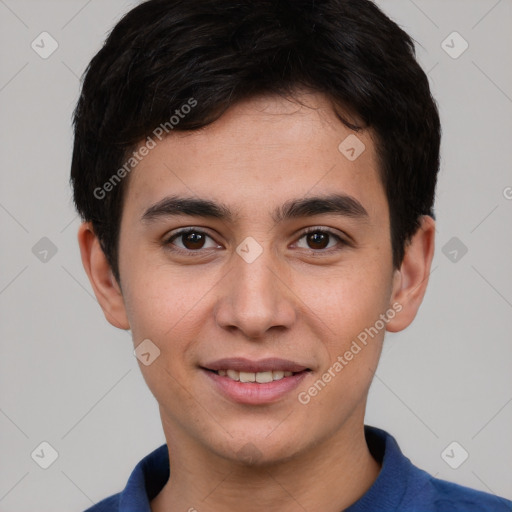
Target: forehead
column 261, row 150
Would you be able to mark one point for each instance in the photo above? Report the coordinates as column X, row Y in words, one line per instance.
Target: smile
column 259, row 377
column 255, row 382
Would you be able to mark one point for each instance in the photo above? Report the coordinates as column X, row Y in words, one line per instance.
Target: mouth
column 255, row 382
column 258, row 377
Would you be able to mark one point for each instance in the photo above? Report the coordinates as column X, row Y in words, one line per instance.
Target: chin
column 259, row 451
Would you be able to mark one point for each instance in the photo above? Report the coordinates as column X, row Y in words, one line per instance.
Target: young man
column 256, row 180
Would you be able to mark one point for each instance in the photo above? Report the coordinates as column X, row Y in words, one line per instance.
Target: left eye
column 319, row 239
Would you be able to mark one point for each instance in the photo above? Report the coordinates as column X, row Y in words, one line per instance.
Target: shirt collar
column 153, row 471
column 391, row 484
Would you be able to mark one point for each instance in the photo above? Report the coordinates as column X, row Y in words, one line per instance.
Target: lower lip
column 254, row 393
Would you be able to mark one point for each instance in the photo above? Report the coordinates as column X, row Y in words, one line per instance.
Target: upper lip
column 263, row 365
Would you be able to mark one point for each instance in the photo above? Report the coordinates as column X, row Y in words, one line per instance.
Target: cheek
column 362, row 300
column 169, row 307
column 161, row 300
column 352, row 308
column 165, row 309
column 352, row 298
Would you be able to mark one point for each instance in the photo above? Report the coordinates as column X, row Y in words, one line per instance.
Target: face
column 260, row 278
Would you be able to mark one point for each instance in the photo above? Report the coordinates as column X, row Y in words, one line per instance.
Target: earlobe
column 410, row 281
column 107, row 290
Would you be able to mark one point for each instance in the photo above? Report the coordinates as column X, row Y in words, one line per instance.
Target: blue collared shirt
column 400, row 486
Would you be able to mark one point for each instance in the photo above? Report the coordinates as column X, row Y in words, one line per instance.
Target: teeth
column 247, row 377
column 260, row 377
column 232, row 374
column 263, row 377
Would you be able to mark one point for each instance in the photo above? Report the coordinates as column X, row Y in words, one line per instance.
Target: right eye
column 191, row 239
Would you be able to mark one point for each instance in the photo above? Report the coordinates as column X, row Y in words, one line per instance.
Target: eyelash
column 197, row 253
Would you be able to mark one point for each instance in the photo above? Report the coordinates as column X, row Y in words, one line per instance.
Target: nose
column 255, row 297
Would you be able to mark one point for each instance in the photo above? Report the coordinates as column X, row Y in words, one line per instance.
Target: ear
column 104, row 284
column 410, row 281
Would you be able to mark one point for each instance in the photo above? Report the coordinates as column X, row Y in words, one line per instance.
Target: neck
column 329, row 477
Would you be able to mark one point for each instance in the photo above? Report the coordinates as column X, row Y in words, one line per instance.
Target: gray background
column 67, row 377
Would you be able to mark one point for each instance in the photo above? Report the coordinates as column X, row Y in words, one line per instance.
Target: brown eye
column 317, row 240
column 193, row 240
column 190, row 240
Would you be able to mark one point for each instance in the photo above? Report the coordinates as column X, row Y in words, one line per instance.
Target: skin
column 297, row 300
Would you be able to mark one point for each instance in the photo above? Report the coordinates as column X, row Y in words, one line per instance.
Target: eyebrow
column 339, row 204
